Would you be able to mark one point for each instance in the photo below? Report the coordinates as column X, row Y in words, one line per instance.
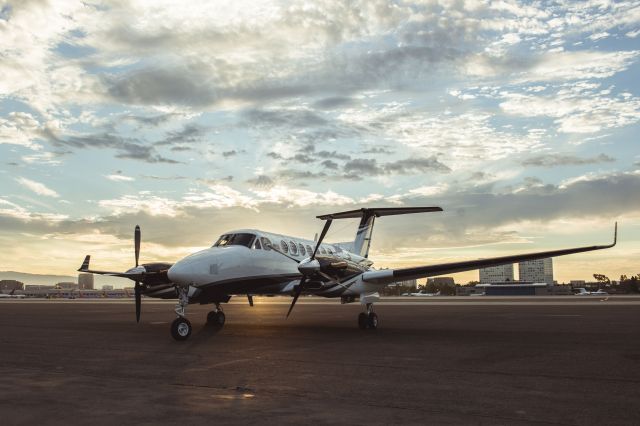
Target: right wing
column 388, row 276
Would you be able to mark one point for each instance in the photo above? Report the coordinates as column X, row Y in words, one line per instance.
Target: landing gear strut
column 368, row 319
column 181, row 327
column 217, row 317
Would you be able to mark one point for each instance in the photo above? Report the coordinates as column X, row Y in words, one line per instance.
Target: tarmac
column 469, row 360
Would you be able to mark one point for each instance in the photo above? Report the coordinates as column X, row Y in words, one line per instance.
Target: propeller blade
column 138, row 294
column 322, row 235
column 296, row 295
column 137, row 237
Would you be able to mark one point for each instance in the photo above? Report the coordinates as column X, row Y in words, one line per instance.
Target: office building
column 536, row 271
column 497, row 274
column 85, row 281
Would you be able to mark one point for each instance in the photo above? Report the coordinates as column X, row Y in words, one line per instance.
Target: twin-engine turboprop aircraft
column 252, row 262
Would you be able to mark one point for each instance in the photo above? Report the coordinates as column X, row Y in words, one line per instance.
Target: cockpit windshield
column 240, row 239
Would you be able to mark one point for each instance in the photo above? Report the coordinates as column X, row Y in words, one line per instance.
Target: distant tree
column 602, row 279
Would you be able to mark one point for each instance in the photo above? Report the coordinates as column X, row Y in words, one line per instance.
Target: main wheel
column 363, row 321
column 181, row 328
column 373, row 320
column 216, row 318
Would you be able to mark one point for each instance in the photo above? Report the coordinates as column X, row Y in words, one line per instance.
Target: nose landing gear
column 181, row 327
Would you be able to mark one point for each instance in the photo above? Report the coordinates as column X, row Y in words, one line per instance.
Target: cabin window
column 301, row 248
column 294, row 248
column 322, row 250
column 284, row 246
column 309, row 250
column 329, row 251
column 266, row 244
column 240, row 239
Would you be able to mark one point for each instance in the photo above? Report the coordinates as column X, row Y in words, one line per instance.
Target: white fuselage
column 233, row 265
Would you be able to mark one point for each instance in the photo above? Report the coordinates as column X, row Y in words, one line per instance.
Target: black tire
column 181, row 329
column 363, row 321
column 216, row 318
column 372, row 321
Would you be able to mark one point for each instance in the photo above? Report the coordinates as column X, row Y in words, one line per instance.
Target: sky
column 519, row 119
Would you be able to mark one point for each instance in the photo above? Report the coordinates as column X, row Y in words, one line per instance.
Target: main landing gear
column 216, row 318
column 368, row 319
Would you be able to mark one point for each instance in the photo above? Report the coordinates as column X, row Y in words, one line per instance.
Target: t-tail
column 367, row 216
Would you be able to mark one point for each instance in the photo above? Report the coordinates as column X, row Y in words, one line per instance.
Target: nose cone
column 181, row 272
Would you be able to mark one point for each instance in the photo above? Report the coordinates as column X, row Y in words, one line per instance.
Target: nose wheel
column 368, row 319
column 181, row 328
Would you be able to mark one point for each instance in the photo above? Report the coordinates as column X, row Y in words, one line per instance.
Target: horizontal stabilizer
column 377, row 212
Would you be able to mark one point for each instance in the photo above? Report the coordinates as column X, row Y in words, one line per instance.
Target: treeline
column 625, row 284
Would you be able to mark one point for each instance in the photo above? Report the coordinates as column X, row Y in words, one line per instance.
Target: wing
column 388, row 276
column 131, row 275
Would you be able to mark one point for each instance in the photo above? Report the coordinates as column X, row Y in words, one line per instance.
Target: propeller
column 311, row 266
column 137, row 236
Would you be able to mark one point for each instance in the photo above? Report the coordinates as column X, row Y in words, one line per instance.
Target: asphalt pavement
column 443, row 361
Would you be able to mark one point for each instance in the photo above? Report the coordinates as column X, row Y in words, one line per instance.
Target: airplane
column 252, row 262
column 11, row 295
column 420, row 294
column 581, row 291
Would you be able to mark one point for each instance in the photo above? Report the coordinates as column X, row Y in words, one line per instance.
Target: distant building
column 577, row 283
column 497, row 274
column 85, row 281
column 67, row 285
column 11, row 285
column 448, row 281
column 107, row 287
column 408, row 283
column 537, row 271
column 38, row 287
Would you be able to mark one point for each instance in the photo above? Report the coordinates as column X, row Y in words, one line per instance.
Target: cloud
column 190, row 133
column 576, row 108
column 37, row 187
column 370, row 167
column 555, row 160
column 129, row 148
column 119, row 177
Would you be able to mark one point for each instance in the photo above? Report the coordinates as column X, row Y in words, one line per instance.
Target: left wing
column 388, row 276
column 136, row 275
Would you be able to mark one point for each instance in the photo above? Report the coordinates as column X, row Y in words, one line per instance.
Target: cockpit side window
column 241, row 239
column 284, row 246
column 222, row 241
column 257, row 244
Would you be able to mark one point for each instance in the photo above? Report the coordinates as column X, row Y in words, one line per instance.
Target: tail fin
column 85, row 264
column 367, row 217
